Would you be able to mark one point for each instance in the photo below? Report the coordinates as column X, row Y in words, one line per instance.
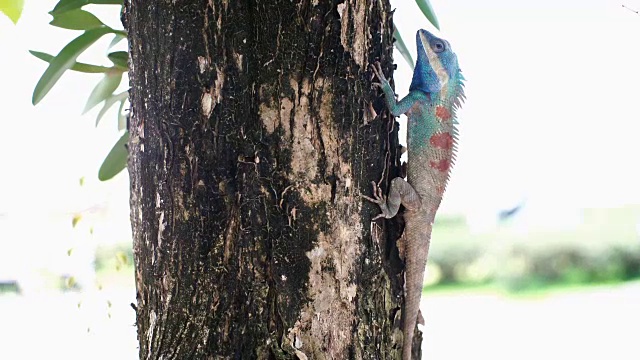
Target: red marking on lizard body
column 442, row 141
column 415, row 108
column 440, row 165
column 443, row 113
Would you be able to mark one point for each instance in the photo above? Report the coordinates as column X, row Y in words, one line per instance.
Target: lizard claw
column 377, row 70
column 369, row 198
column 378, row 198
column 379, row 216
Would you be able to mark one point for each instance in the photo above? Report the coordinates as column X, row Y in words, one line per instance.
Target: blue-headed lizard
column 435, row 93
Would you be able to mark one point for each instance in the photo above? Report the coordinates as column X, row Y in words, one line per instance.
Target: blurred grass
column 603, row 248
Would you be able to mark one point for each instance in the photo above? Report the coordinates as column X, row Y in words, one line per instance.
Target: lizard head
column 437, row 65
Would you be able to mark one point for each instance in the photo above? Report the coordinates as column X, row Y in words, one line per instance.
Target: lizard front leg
column 400, row 192
column 396, row 108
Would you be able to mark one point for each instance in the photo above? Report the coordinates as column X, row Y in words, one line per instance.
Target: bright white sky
column 552, row 111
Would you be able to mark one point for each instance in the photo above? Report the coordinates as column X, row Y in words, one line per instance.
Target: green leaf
column 427, row 10
column 121, row 257
column 75, row 220
column 103, row 90
column 109, row 102
column 76, row 19
column 80, row 67
column 116, row 161
column 67, row 5
column 121, row 32
column 402, row 48
column 12, row 8
column 120, row 59
column 65, row 60
column 107, row 2
column 116, row 40
column 122, row 117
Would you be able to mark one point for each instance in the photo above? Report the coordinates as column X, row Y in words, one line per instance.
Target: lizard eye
column 438, row 46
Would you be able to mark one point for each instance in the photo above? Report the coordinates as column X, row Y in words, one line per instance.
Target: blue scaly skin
column 435, row 93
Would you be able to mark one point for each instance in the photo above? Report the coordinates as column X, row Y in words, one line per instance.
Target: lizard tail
column 416, row 252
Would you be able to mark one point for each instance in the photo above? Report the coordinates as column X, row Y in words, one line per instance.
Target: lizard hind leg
column 400, row 192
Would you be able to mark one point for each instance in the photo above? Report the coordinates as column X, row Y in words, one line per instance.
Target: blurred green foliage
column 114, row 265
column 12, row 9
column 11, row 287
column 604, row 248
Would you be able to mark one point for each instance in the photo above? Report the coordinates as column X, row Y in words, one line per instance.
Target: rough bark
column 252, row 132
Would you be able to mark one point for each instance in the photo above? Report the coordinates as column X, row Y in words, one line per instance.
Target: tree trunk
column 252, row 133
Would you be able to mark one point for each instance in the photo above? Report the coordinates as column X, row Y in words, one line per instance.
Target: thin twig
column 630, row 9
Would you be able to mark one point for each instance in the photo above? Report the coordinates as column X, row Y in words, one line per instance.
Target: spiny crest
column 458, row 90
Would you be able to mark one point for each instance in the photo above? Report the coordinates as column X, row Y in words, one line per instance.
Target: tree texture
column 253, row 130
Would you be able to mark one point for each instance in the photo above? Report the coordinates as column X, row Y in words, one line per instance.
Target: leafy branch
column 68, row 14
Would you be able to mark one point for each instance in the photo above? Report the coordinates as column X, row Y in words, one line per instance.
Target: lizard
column 436, row 92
